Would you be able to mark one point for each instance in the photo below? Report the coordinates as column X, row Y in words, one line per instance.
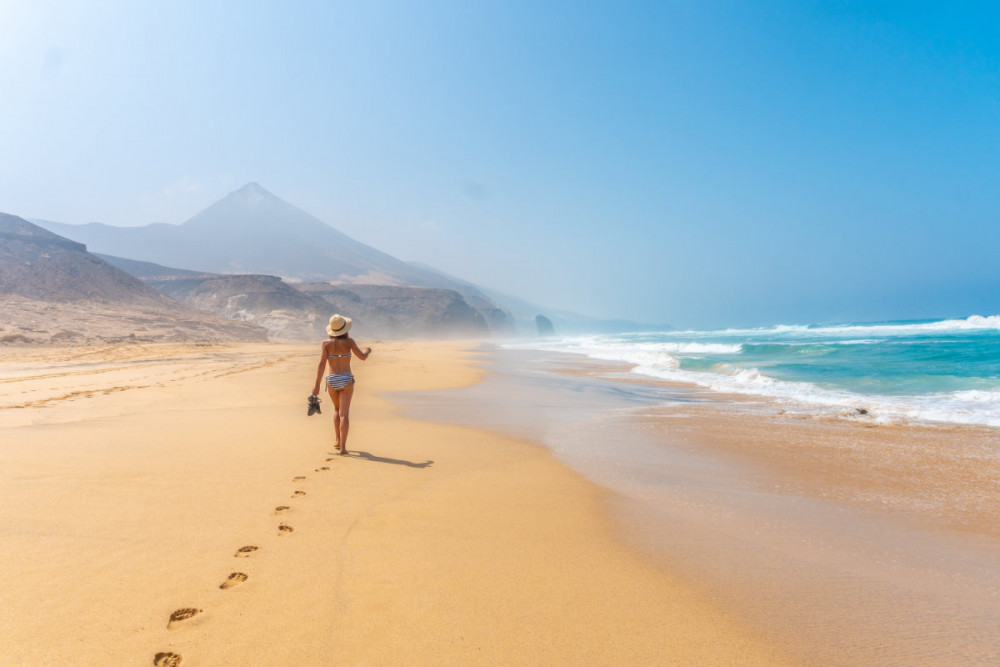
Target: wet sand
column 172, row 504
column 840, row 541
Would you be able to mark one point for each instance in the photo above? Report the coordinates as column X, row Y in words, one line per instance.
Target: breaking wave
column 938, row 371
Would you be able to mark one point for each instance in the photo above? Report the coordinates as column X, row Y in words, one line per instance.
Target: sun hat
column 339, row 325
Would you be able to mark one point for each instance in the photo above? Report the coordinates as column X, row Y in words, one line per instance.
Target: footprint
column 323, row 468
column 182, row 615
column 244, row 552
column 281, row 509
column 285, row 528
column 235, row 579
column 164, row 659
column 330, row 459
column 299, row 493
column 298, row 479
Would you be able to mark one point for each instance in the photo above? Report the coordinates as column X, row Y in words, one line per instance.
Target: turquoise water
column 940, row 370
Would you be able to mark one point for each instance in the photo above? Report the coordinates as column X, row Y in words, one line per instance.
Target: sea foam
column 900, row 366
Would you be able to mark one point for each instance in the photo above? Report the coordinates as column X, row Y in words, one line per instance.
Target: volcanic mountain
column 253, row 231
column 53, row 290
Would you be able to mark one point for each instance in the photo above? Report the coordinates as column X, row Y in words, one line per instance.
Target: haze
column 700, row 164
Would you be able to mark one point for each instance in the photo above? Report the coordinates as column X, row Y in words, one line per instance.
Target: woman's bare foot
column 343, row 450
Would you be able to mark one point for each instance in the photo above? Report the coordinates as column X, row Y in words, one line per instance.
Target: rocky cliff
column 300, row 311
column 402, row 312
column 267, row 301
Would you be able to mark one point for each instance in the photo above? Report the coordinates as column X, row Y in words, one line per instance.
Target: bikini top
column 338, row 356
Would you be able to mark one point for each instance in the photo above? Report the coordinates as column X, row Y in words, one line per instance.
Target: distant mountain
column 144, row 270
column 252, row 231
column 402, row 312
column 53, row 290
column 38, row 264
column 300, row 311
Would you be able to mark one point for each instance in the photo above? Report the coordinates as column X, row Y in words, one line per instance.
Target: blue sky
column 696, row 163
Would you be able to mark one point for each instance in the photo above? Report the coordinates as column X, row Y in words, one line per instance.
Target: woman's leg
column 335, row 398
column 344, row 415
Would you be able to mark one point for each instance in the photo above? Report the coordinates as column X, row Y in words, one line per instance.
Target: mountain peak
column 250, row 194
column 255, row 211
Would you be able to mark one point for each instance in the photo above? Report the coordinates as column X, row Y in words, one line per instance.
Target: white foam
column 971, row 323
column 961, row 407
column 611, row 348
column 701, row 348
column 660, row 360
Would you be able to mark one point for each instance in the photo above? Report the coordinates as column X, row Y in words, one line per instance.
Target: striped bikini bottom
column 339, row 380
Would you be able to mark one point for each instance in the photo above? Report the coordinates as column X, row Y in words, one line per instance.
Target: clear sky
column 696, row 163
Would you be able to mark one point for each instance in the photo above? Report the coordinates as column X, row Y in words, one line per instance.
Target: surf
column 944, row 370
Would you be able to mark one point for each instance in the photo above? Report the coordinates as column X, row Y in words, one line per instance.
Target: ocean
column 886, row 372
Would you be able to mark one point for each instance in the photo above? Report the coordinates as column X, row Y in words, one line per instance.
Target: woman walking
column 336, row 354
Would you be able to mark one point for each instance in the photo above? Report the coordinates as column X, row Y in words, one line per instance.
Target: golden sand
column 174, row 505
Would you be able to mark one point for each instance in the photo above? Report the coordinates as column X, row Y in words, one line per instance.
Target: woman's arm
column 357, row 350
column 320, row 368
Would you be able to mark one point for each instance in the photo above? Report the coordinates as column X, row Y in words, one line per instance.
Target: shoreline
column 816, row 530
column 131, row 484
column 967, row 452
column 936, row 372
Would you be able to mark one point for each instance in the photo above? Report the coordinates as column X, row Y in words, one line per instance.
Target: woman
column 336, row 353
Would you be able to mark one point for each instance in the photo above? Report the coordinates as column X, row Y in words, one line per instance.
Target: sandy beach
column 172, row 504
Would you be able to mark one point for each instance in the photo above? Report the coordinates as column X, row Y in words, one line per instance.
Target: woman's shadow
column 382, row 459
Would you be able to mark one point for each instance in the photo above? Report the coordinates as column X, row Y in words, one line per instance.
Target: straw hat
column 339, row 325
